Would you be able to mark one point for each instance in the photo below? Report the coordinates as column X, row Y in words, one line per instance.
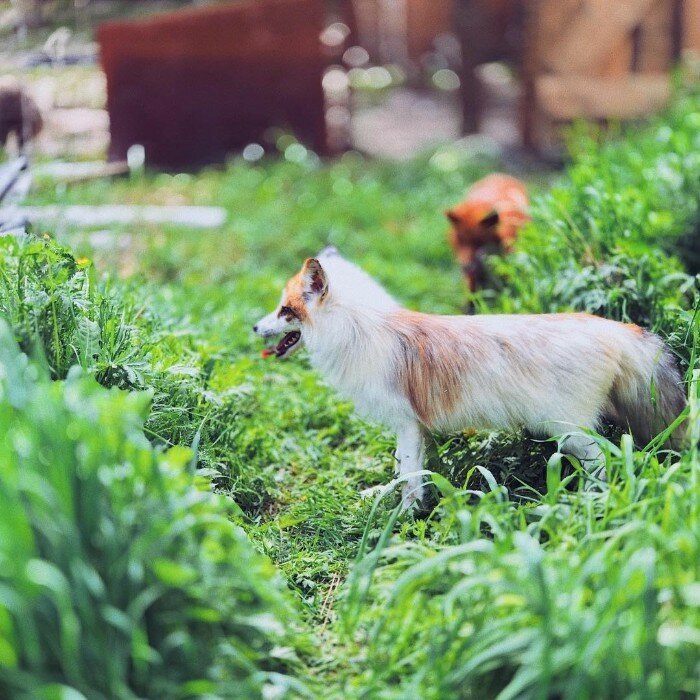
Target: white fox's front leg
column 410, row 452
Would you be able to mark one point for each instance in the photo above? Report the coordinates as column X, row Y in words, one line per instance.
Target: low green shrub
column 59, row 312
column 121, row 574
column 51, row 300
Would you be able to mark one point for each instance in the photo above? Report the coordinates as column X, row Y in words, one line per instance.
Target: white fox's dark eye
column 287, row 311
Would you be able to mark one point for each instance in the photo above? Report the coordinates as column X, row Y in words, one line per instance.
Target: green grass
column 122, row 574
column 526, row 579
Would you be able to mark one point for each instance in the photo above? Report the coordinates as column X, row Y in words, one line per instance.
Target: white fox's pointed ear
column 313, row 277
column 328, row 251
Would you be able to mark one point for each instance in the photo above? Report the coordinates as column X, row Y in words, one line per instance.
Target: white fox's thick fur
column 553, row 374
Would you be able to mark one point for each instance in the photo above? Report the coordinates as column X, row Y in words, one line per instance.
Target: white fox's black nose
column 255, row 328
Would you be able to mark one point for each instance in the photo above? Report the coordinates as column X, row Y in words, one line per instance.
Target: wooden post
column 488, row 30
column 469, row 17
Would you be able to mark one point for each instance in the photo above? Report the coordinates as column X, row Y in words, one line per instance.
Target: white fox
column 552, row 374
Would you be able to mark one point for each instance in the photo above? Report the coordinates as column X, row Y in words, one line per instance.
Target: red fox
column 490, row 216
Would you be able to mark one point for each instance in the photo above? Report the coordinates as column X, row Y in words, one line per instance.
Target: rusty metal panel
column 193, row 85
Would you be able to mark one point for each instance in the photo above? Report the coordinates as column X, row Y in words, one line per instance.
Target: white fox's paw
column 412, row 494
column 372, row 491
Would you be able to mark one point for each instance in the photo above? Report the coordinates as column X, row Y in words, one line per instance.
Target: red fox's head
column 491, row 214
column 474, row 224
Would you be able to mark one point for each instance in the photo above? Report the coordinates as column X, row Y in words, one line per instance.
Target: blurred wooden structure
column 690, row 39
column 489, row 30
column 588, row 59
column 193, row 85
column 424, row 22
column 598, row 60
column 399, row 31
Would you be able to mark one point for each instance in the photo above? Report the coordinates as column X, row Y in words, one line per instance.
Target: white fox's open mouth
column 284, row 346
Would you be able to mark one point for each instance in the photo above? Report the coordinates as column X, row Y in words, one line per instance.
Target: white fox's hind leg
column 584, row 448
column 587, row 451
column 410, row 453
column 579, row 444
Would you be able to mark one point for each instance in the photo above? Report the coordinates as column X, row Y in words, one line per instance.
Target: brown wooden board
column 424, row 22
column 595, row 59
column 194, row 85
column 621, row 59
column 582, row 97
column 585, row 43
column 691, row 25
column 655, row 51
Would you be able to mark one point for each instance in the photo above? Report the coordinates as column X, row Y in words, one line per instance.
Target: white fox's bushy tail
column 648, row 394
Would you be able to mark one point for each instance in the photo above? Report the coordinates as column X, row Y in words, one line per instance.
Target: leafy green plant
column 60, row 313
column 51, row 300
column 121, row 575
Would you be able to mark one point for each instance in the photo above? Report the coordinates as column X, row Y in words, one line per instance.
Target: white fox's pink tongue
column 287, row 343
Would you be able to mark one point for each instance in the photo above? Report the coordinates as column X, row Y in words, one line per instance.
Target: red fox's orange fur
column 491, row 214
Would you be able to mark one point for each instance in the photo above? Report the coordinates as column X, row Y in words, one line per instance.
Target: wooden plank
column 544, row 23
column 655, row 49
column 586, row 42
column 691, row 25
column 424, row 22
column 526, row 111
column 564, row 98
column 367, row 13
column 92, row 216
column 81, row 171
column 619, row 63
